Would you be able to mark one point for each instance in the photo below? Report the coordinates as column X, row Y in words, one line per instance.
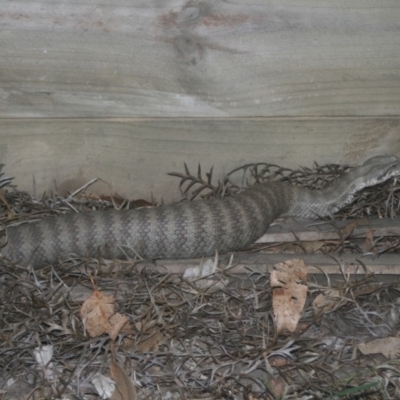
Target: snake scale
column 187, row 229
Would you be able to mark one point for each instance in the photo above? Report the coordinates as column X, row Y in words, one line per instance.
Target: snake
column 187, row 229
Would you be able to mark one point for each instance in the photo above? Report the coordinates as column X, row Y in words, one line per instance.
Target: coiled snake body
column 187, row 229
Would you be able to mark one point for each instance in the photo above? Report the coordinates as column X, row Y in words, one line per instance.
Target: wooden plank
column 176, row 58
column 310, row 230
column 387, row 264
column 133, row 156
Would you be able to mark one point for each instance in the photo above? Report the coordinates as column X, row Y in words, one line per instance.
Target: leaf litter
column 288, row 281
column 71, row 329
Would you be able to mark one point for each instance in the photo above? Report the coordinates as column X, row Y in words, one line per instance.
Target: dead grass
column 218, row 344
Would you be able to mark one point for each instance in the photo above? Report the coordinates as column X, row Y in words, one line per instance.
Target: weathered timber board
column 294, row 230
column 387, row 264
column 175, row 58
column 134, row 156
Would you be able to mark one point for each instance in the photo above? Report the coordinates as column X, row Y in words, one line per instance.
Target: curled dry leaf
column 289, row 292
column 330, row 299
column 116, row 323
column 124, row 387
column 96, row 312
column 99, row 316
column 151, row 339
column 389, row 347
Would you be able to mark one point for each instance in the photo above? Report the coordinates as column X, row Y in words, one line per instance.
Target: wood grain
column 259, row 263
column 294, row 230
column 175, row 58
column 134, row 156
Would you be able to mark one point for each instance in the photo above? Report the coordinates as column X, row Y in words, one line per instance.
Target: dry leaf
column 327, row 301
column 124, row 387
column 313, row 246
column 116, row 323
column 277, row 361
column 43, row 356
column 389, row 347
column 96, row 311
column 99, row 316
column 151, row 339
column 197, row 276
column 371, row 288
column 278, row 387
column 104, row 385
column 351, row 226
column 369, row 243
column 3, row 199
column 289, row 292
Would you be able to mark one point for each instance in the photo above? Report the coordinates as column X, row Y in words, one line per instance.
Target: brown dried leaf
column 277, row 361
column 371, row 288
column 369, row 243
column 124, row 387
column 389, row 347
column 96, row 312
column 116, row 323
column 289, row 292
column 151, row 339
column 313, row 246
column 278, row 387
column 99, row 316
column 330, row 299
